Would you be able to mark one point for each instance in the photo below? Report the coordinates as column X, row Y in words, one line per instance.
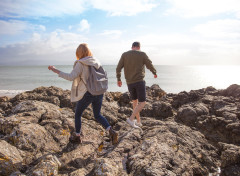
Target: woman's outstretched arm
column 50, row 67
column 77, row 70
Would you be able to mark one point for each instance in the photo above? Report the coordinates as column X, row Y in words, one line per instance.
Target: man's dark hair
column 136, row 44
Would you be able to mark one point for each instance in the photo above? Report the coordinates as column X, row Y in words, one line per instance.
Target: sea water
column 172, row 79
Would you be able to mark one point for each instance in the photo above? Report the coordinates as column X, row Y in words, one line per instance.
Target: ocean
column 172, row 79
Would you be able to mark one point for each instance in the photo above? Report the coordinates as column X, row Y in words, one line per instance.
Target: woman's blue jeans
column 82, row 104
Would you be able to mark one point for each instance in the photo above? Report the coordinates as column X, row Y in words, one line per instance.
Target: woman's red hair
column 83, row 51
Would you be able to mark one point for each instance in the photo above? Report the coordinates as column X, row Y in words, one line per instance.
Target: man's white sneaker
column 132, row 123
column 138, row 124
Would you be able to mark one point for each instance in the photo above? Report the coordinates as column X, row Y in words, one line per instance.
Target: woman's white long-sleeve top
column 79, row 76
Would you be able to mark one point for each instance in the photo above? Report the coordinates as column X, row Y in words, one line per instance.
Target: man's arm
column 119, row 68
column 149, row 65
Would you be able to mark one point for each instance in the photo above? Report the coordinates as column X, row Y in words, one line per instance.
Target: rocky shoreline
column 190, row 133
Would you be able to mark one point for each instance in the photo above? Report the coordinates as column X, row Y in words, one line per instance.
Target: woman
column 79, row 93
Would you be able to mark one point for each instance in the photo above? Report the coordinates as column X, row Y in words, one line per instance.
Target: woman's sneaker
column 113, row 136
column 138, row 124
column 74, row 138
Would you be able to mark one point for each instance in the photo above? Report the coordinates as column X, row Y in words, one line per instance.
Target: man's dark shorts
column 138, row 91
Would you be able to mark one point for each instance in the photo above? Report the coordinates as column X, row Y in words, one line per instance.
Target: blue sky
column 171, row 32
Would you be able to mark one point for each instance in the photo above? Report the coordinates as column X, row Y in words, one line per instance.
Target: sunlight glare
column 218, row 76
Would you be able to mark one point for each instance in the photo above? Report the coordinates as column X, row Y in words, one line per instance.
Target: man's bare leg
column 135, row 103
column 137, row 109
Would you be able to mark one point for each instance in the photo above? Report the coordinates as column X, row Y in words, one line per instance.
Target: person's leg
column 97, row 105
column 133, row 93
column 137, row 110
column 135, row 103
column 80, row 107
column 141, row 96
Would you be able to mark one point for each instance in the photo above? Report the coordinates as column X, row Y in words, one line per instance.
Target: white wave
column 10, row 93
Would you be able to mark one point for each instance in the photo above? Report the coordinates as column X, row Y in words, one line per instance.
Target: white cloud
column 56, row 47
column 114, row 34
column 84, row 26
column 142, row 26
column 12, row 27
column 175, row 49
column 56, row 42
column 35, row 8
column 41, row 27
column 59, row 47
column 203, row 8
column 124, row 7
column 220, row 29
column 54, row 8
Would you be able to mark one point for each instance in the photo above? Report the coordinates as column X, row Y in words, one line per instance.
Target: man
column 133, row 62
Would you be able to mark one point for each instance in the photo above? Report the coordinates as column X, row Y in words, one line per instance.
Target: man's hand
column 155, row 76
column 119, row 83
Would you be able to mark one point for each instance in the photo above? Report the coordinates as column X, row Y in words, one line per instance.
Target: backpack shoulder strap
column 82, row 72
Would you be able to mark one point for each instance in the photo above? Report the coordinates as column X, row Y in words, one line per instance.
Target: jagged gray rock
column 230, row 157
column 190, row 133
column 10, row 158
column 188, row 113
column 47, row 165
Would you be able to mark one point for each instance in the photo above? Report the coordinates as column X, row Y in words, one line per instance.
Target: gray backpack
column 97, row 82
